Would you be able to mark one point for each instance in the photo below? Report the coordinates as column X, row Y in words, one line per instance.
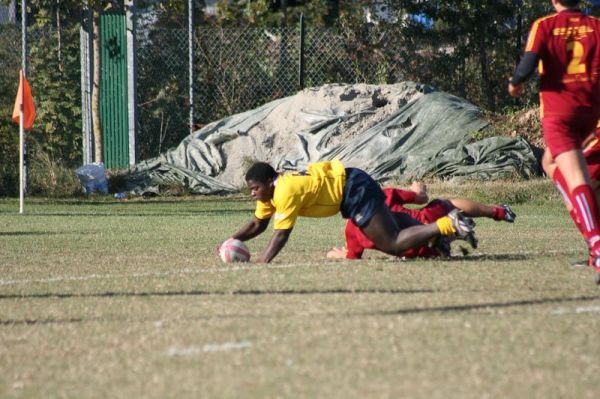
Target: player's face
column 261, row 191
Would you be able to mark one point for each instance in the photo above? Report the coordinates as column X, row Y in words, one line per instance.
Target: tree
column 468, row 48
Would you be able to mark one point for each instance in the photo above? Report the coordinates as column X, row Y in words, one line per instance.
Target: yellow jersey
column 317, row 192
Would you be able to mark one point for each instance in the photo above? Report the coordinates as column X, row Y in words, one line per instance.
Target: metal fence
column 8, row 13
column 237, row 69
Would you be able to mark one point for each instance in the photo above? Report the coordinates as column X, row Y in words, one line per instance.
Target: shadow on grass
column 494, row 257
column 467, row 257
column 341, row 291
column 408, row 311
column 28, row 233
column 479, row 306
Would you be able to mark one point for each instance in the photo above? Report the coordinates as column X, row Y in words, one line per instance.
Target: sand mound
column 358, row 107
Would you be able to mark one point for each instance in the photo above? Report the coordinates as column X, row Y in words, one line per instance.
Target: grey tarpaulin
column 395, row 132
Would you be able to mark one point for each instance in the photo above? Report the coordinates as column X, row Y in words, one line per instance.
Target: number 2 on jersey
column 575, row 66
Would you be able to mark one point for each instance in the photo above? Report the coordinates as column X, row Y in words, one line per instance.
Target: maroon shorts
column 434, row 210
column 563, row 134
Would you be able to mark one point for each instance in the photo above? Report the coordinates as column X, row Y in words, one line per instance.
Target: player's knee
column 388, row 248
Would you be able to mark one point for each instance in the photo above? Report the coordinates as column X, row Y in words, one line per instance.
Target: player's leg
column 390, row 238
column 393, row 239
column 404, row 220
column 572, row 171
column 564, row 138
column 560, row 183
column 573, row 167
column 563, row 188
column 552, row 171
column 364, row 202
column 476, row 209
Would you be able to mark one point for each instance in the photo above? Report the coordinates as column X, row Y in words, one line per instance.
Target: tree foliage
column 272, row 13
column 466, row 48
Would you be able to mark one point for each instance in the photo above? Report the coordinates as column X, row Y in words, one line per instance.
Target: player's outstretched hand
column 420, row 189
column 337, row 253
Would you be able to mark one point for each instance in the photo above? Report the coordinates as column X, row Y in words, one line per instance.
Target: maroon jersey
column 568, row 45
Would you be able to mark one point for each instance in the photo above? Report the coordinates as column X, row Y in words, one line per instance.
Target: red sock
column 499, row 213
column 573, row 214
column 562, row 187
column 584, row 201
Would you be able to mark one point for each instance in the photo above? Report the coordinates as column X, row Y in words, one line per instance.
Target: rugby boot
column 463, row 227
column 509, row 214
column 442, row 247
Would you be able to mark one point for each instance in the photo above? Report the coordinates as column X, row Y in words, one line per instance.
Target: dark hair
column 261, row 172
column 569, row 3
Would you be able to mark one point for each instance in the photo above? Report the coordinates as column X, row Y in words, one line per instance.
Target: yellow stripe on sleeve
column 533, row 32
column 531, row 37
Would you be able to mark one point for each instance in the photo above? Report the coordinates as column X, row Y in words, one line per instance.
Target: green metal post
column 113, row 90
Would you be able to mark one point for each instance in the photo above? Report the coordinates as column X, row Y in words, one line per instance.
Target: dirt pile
column 358, row 106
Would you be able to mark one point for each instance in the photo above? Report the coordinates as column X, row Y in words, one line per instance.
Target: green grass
column 100, row 298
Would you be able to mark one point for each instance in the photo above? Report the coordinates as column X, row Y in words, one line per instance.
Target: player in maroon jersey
column 566, row 46
column 357, row 242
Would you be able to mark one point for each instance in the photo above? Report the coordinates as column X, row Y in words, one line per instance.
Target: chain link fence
column 237, row 69
column 10, row 60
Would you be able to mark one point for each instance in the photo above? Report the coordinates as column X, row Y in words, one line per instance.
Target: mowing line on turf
column 208, row 348
column 577, row 310
column 150, row 274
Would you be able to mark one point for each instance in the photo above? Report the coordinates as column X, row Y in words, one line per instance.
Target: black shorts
column 362, row 197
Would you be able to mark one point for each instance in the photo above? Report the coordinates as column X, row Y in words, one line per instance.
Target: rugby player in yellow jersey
column 327, row 188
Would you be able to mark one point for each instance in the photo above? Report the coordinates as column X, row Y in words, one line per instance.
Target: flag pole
column 21, row 159
column 22, row 172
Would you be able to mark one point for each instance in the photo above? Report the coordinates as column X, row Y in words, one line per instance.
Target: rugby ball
column 233, row 250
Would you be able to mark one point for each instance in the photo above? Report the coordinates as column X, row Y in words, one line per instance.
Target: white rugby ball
column 233, row 250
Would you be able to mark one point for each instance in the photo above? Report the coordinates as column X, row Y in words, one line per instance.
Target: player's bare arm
column 252, row 229
column 278, row 241
column 420, row 189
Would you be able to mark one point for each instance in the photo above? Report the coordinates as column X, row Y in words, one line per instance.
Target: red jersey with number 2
column 568, row 45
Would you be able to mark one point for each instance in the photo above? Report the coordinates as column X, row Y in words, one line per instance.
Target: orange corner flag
column 24, row 102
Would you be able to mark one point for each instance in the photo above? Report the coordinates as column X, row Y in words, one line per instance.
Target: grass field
column 101, row 298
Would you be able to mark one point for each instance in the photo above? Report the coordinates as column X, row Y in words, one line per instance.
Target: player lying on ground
column 327, row 188
column 591, row 153
column 357, row 242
